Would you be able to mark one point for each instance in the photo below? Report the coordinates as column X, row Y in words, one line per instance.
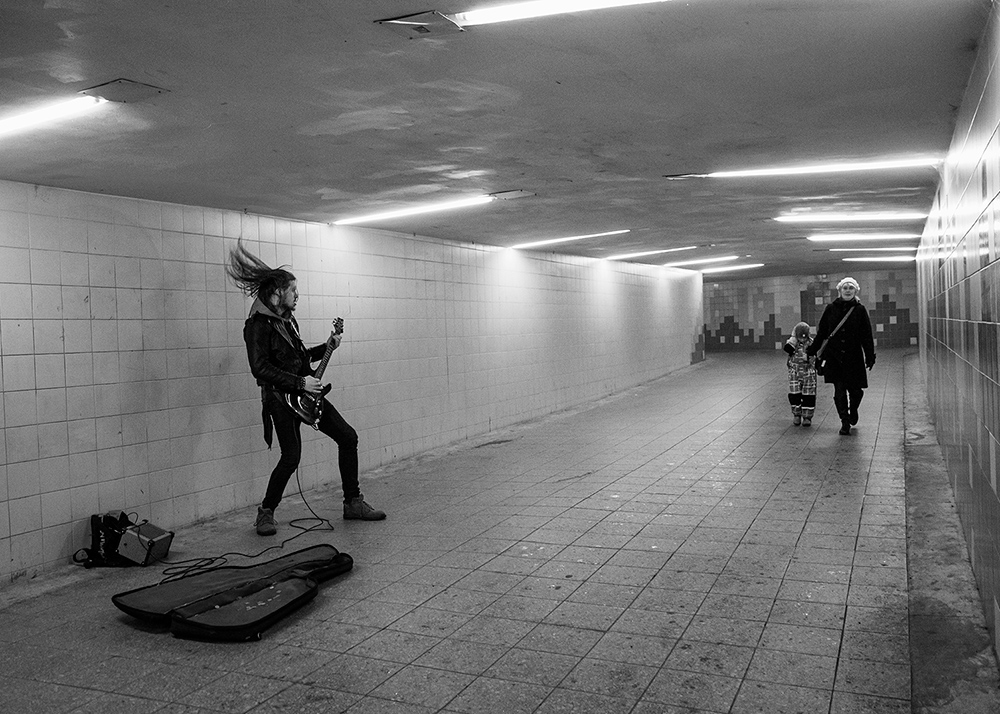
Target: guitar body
column 309, row 407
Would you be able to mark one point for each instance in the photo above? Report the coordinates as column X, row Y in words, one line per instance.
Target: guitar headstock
column 338, row 326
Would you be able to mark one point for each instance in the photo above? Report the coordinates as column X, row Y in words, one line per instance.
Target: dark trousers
column 841, row 393
column 287, row 427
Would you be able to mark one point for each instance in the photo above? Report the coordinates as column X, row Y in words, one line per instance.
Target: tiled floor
column 677, row 548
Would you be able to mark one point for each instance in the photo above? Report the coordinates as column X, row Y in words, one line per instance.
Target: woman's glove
column 870, row 362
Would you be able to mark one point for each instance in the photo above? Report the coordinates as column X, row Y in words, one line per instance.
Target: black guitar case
column 235, row 603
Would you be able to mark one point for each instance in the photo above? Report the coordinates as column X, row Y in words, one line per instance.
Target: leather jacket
column 278, row 358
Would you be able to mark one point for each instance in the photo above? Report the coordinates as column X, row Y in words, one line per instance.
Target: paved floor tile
column 681, row 547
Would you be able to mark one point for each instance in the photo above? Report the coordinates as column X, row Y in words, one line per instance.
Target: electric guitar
column 309, row 407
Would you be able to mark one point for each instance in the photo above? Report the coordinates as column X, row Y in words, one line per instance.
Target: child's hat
column 801, row 330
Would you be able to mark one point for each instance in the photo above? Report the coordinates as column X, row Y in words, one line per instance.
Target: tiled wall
column 124, row 375
column 759, row 314
column 959, row 278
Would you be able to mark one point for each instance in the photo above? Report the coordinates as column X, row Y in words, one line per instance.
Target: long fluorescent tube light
column 552, row 241
column 849, row 217
column 732, row 267
column 868, row 250
column 538, row 8
column 701, row 260
column 72, row 107
column 885, row 259
column 837, row 237
column 431, row 208
column 626, row 256
column 819, row 168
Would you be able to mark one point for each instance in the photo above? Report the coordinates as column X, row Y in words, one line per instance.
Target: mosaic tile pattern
column 760, row 314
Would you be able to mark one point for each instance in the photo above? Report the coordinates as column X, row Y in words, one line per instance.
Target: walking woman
column 849, row 351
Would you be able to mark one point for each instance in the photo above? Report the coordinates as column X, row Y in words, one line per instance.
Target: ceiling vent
column 422, row 24
column 124, row 90
column 508, row 195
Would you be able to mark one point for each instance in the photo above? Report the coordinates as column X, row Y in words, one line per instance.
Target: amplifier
column 145, row 543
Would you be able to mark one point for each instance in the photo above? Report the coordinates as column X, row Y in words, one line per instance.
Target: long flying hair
column 255, row 277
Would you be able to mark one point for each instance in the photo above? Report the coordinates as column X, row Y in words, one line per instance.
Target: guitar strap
column 266, row 416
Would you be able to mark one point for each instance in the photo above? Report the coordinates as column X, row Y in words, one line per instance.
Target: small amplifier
column 145, row 543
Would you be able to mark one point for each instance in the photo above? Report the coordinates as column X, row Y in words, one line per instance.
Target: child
column 801, row 376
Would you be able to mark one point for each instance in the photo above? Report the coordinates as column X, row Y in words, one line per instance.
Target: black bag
column 235, row 603
column 106, row 530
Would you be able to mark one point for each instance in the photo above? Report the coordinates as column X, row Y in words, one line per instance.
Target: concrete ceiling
column 309, row 109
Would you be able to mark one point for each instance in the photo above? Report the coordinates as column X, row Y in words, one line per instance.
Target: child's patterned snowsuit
column 801, row 375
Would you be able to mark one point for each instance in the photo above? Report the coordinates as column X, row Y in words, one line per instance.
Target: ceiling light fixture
column 732, row 267
column 62, row 110
column 855, row 250
column 431, row 208
column 882, row 259
column 124, row 91
column 819, row 168
column 626, row 256
column 836, row 237
column 850, row 217
column 538, row 8
column 700, row 261
column 552, row 241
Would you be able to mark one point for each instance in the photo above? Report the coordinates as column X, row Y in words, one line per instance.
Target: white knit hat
column 849, row 281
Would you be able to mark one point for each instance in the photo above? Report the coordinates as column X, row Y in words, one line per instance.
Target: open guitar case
column 235, row 603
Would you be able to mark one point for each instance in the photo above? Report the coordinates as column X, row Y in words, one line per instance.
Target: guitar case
column 235, row 603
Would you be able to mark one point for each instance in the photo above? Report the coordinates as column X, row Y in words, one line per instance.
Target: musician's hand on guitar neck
column 311, row 385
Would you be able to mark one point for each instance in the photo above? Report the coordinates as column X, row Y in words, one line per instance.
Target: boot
column 265, row 524
column 796, row 415
column 845, row 428
column 807, row 421
column 357, row 509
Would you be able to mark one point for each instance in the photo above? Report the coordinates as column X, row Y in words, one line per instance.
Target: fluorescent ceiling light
column 820, row 168
column 850, row 217
column 836, row 237
column 62, row 110
column 885, row 259
column 538, row 8
column 626, row 256
column 868, row 250
column 700, row 261
column 732, row 267
column 431, row 208
column 552, row 241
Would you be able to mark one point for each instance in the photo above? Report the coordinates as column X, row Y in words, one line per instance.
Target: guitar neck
column 326, row 355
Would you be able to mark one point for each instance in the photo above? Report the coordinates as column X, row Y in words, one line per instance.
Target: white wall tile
column 131, row 333
column 15, row 265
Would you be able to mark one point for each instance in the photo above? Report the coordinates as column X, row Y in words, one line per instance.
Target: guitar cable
column 179, row 569
column 176, row 570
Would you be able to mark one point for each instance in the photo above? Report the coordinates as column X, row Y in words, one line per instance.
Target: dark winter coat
column 851, row 351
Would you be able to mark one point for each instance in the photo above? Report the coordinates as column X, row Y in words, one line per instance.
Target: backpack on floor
column 106, row 530
column 235, row 603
